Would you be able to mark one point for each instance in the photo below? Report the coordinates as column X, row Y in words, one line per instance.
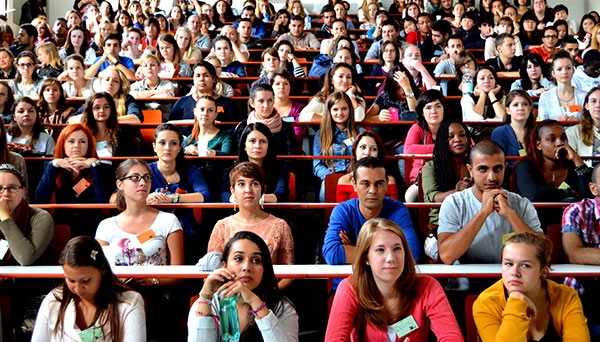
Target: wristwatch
column 410, row 95
column 117, row 62
column 96, row 163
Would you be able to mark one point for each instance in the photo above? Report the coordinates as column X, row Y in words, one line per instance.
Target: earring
column 368, row 263
column 235, row 206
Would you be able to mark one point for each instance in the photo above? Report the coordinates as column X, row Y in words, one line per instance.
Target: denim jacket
column 320, row 169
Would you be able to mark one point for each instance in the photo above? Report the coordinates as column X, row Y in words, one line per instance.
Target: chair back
column 62, row 235
column 150, row 116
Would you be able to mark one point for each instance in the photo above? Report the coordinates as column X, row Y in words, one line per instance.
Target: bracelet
column 175, row 197
column 155, row 282
column 255, row 312
column 201, row 295
column 495, row 101
column 203, row 302
column 582, row 170
column 204, row 314
column 352, row 96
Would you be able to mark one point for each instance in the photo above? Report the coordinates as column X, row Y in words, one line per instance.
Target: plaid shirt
column 582, row 218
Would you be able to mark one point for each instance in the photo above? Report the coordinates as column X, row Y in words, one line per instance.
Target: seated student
column 74, row 82
column 152, row 86
column 50, row 63
column 366, row 144
column 8, row 69
column 524, row 304
column 239, row 51
column 222, row 48
column 263, row 313
column 112, row 57
column 580, row 243
column 473, row 222
column 248, row 186
column 341, row 77
column 447, row 173
column 583, row 137
column 112, row 139
column 261, row 104
column 506, row 59
column 335, row 136
column 553, row 171
column 171, row 61
column 7, row 99
column 341, row 53
column 131, row 44
column 26, row 130
column 385, row 288
column 205, row 83
column 289, row 110
column 338, row 28
column 26, row 82
column 529, row 34
column 434, row 46
column 244, row 29
column 287, row 58
column 298, row 37
column 142, row 235
column 504, row 26
column 118, row 311
column 533, row 76
column 468, row 25
column 486, row 100
column 411, row 59
column 587, row 76
column 390, row 30
column 75, row 176
column 564, row 102
column 548, row 47
column 399, row 92
column 28, row 230
column 476, row 39
column 448, row 63
column 371, row 183
column 114, row 81
column 518, row 124
column 280, row 23
column 417, row 38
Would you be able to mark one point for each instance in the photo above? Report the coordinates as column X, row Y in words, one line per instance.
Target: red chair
column 292, row 187
column 555, row 234
column 471, row 330
column 150, row 116
column 62, row 235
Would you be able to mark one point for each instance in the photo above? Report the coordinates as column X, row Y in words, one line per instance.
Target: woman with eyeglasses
column 143, row 236
column 27, row 82
column 75, row 175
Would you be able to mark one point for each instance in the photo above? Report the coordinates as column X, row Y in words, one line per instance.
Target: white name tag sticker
column 405, row 326
column 3, row 248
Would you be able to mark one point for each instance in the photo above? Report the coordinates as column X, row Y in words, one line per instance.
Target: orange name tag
column 81, row 186
column 220, row 109
column 147, row 235
column 575, row 108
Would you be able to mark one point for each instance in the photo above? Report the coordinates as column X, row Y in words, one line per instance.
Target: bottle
column 467, row 83
column 230, row 325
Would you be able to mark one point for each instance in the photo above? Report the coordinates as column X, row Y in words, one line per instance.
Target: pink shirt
column 418, row 141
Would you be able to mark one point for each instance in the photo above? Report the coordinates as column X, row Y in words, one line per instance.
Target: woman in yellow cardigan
column 524, row 305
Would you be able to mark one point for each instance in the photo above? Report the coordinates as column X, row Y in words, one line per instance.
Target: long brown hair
column 587, row 124
column 196, row 129
column 112, row 123
column 363, row 280
column 328, row 82
column 327, row 128
column 85, row 251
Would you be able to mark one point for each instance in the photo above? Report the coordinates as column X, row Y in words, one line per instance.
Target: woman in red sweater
column 385, row 290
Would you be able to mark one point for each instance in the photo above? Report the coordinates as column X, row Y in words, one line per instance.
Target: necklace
column 569, row 100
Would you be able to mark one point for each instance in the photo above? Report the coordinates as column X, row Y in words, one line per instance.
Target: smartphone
column 393, row 113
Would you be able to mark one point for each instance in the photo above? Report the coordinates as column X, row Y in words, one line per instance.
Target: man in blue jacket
column 347, row 218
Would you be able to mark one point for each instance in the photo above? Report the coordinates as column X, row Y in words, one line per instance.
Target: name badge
column 522, row 152
column 93, row 334
column 405, row 326
column 81, row 186
column 564, row 186
column 147, row 235
column 348, row 142
column 100, row 145
column 575, row 108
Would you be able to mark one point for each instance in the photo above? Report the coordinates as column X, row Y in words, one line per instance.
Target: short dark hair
column 486, row 148
column 549, row 28
column 297, row 17
column 457, row 36
column 502, row 37
column 442, row 26
column 568, row 40
column 591, row 56
column 368, row 162
column 391, row 22
column 245, row 20
column 248, row 8
column 113, row 36
column 561, row 7
column 30, row 30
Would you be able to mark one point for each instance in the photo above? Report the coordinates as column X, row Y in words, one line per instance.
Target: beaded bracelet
column 203, row 302
column 262, row 306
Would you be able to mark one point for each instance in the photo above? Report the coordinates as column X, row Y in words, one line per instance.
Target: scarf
column 274, row 122
column 22, row 218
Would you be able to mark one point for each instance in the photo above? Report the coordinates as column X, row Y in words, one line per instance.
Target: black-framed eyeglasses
column 137, row 178
column 11, row 189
